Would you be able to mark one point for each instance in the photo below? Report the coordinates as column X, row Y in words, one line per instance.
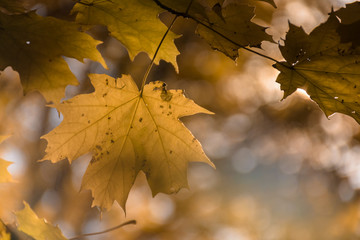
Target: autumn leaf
column 350, row 13
column 127, row 131
column 271, row 2
column 4, row 174
column 4, row 234
column 135, row 23
column 323, row 66
column 39, row 229
column 350, row 20
column 229, row 27
column 12, row 6
column 34, row 45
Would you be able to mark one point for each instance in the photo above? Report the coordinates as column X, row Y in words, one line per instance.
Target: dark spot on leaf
column 109, row 117
column 156, row 130
column 342, row 100
column 89, row 121
column 50, row 60
column 107, row 82
column 354, row 86
column 98, row 147
column 165, row 95
column 107, row 152
column 82, row 115
column 94, row 160
column 104, row 95
column 140, row 119
column 161, row 106
column 112, row 141
column 171, row 152
column 194, row 139
column 169, row 106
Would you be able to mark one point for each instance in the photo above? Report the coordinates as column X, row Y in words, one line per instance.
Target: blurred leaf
column 229, row 27
column 4, row 174
column 135, row 23
column 350, row 23
column 270, row 2
column 12, row 6
column 37, row 228
column 34, row 46
column 320, row 64
column 4, row 235
column 127, row 132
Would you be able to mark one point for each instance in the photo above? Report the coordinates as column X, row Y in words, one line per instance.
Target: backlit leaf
column 34, row 45
column 327, row 69
column 229, row 27
column 39, row 229
column 127, row 132
column 350, row 23
column 135, row 23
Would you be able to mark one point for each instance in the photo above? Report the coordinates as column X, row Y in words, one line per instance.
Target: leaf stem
column 105, row 231
column 186, row 15
column 146, row 75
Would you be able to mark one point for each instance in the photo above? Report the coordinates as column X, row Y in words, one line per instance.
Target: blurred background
column 284, row 171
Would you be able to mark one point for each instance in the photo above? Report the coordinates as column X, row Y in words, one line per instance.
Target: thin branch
column 186, row 15
column 107, row 230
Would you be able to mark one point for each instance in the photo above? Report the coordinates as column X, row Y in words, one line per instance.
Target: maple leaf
column 4, row 174
column 229, row 27
column 323, row 66
column 34, row 45
column 350, row 13
column 39, row 229
column 127, row 131
column 350, row 20
column 135, row 23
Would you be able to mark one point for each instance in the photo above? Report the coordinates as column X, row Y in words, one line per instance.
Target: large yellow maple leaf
column 127, row 131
